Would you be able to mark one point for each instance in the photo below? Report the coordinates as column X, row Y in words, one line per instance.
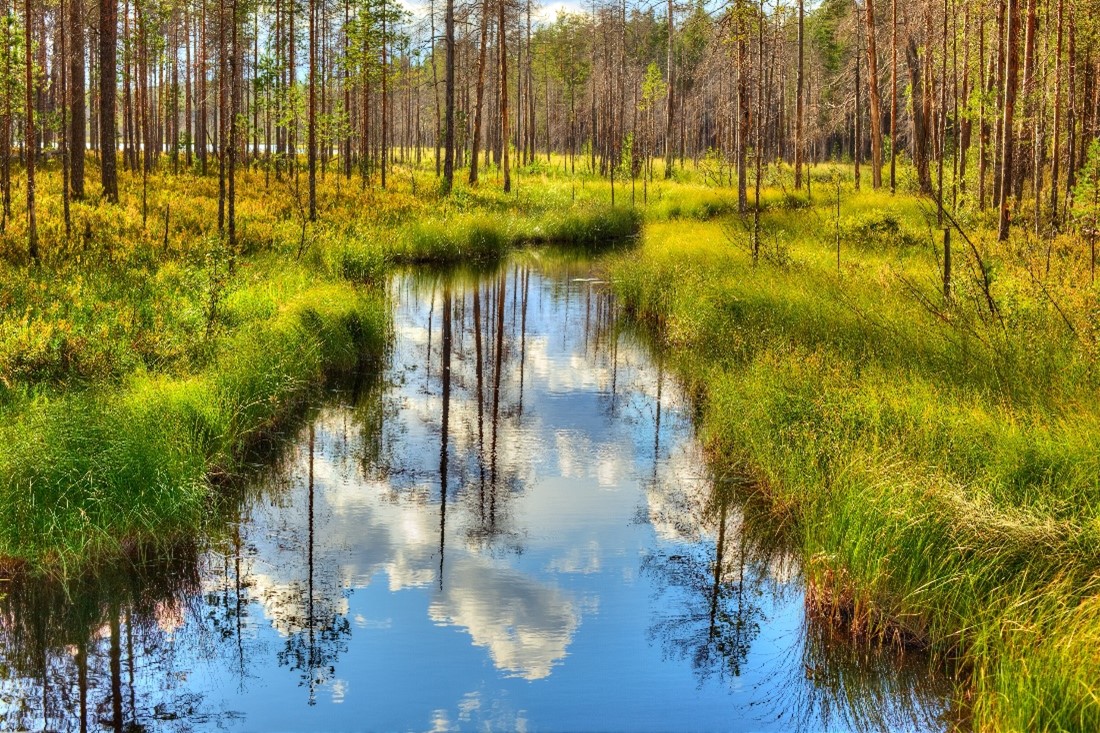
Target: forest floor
column 934, row 459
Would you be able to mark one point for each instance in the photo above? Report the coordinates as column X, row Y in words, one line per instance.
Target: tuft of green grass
column 83, row 474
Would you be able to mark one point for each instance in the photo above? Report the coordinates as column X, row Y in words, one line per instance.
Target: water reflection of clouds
column 525, row 625
column 364, row 530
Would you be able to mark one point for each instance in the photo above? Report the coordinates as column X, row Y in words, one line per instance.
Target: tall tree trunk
column 200, row 132
column 876, row 102
column 449, row 98
column 857, row 135
column 670, row 105
column 742, row 106
column 231, row 151
column 475, row 140
column 108, row 32
column 920, row 122
column 188, row 109
column 6, row 122
column 63, row 140
column 312, row 142
column 1055, row 147
column 893, row 95
column 1011, row 73
column 799, row 110
column 383, row 158
column 32, row 226
column 504, row 141
column 76, row 97
column 1024, row 160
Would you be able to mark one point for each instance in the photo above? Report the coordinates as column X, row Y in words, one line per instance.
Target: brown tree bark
column 893, row 95
column 76, row 97
column 504, row 137
column 919, row 121
column 475, row 140
column 1008, row 146
column 28, row 124
column 108, row 33
column 876, row 102
column 312, row 142
column 449, row 98
column 799, row 100
column 670, row 105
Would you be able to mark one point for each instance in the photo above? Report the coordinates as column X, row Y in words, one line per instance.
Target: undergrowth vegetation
column 934, row 457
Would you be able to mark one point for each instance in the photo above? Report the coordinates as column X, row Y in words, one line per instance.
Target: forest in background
column 986, row 105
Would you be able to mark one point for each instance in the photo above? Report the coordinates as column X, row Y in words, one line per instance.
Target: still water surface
column 510, row 527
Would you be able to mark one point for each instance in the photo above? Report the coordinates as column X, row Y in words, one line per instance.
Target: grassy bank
column 934, row 460
column 141, row 357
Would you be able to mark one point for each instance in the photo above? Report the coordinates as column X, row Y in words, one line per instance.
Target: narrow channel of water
column 511, row 528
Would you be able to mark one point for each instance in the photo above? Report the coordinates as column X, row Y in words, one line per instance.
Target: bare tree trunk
column 893, row 95
column 66, row 162
column 32, row 226
column 799, row 99
column 742, row 107
column 188, row 89
column 231, row 152
column 1024, row 161
column 223, row 114
column 449, row 95
column 6, row 124
column 920, row 123
column 1011, row 72
column 670, row 105
column 475, row 141
column 876, row 102
column 385, row 101
column 76, row 97
column 1055, row 147
column 200, row 133
column 108, row 32
column 857, row 136
column 504, row 141
column 312, row 142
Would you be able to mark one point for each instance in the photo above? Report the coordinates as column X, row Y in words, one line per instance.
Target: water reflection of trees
column 722, row 589
column 714, row 587
column 73, row 652
column 320, row 634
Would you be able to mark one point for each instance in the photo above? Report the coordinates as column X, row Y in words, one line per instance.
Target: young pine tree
column 1086, row 202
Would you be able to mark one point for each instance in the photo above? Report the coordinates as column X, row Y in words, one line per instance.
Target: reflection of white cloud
column 610, row 465
column 574, row 453
column 583, row 559
column 469, row 704
column 440, row 722
column 525, row 625
column 339, row 691
column 365, row 528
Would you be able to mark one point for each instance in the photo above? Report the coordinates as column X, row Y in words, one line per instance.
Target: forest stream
column 508, row 524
